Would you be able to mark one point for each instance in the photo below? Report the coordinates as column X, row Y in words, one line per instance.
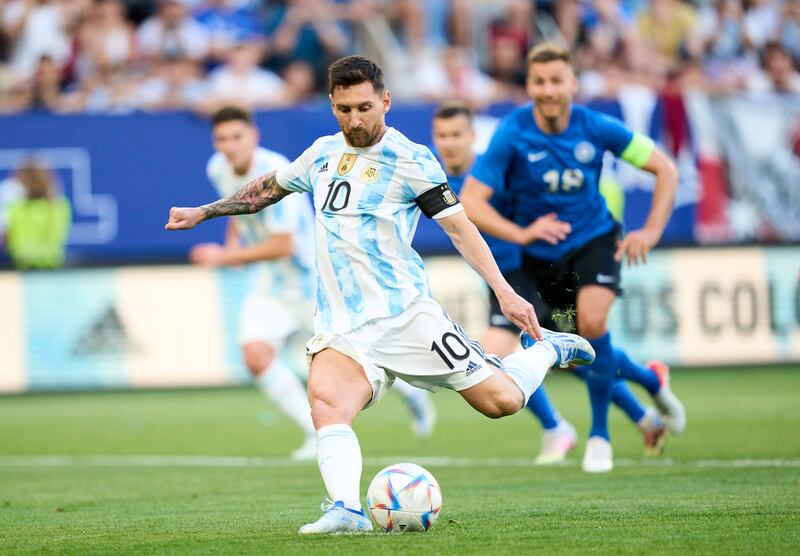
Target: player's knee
column 257, row 358
column 325, row 412
column 503, row 404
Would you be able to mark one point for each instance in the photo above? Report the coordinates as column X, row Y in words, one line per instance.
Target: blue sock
column 621, row 396
column 600, row 380
column 638, row 374
column 539, row 404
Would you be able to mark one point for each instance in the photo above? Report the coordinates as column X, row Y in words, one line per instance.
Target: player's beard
column 362, row 137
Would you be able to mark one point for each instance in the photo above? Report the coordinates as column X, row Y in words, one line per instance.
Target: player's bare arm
column 475, row 197
column 276, row 246
column 473, row 248
column 637, row 244
column 251, row 197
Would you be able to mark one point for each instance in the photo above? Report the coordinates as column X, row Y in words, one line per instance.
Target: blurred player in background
column 453, row 137
column 547, row 159
column 278, row 244
column 376, row 319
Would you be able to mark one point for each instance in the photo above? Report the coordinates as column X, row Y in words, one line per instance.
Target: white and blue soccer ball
column 404, row 497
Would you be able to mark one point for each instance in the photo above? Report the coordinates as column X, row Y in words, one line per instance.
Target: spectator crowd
column 115, row 56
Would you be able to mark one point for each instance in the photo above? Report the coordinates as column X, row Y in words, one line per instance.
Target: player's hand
column 208, row 254
column 184, row 218
column 520, row 312
column 547, row 228
column 636, row 245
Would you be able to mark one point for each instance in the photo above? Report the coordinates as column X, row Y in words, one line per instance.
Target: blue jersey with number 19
column 544, row 172
column 367, row 213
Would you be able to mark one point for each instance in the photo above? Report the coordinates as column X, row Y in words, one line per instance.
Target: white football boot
column 306, row 452
column 556, row 444
column 671, row 408
column 338, row 519
column 598, row 457
column 571, row 349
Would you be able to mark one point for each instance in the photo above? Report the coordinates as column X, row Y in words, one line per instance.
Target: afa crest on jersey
column 369, row 173
column 346, row 163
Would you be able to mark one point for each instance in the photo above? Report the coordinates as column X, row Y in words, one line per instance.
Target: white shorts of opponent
column 421, row 346
column 270, row 320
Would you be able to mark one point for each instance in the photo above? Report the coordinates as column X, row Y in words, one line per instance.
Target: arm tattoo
column 251, row 197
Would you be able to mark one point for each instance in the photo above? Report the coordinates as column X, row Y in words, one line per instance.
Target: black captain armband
column 436, row 199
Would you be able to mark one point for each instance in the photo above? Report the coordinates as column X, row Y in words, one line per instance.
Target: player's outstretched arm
column 473, row 248
column 251, row 197
column 637, row 244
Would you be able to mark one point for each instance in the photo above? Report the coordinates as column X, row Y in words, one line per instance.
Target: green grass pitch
column 194, row 472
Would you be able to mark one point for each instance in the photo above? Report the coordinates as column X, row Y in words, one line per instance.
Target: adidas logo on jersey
column 472, row 367
column 323, row 168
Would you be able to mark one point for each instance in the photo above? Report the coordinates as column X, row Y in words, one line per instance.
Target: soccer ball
column 404, row 497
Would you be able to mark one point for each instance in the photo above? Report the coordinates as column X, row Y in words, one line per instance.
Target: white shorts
column 421, row 346
column 271, row 320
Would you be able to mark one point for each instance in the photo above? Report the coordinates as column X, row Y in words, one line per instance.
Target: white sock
column 283, row 388
column 527, row 368
column 339, row 459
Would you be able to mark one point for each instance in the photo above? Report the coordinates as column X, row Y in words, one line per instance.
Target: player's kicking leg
column 558, row 435
column 520, row 374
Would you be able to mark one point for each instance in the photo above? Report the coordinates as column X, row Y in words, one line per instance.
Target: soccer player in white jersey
column 376, row 319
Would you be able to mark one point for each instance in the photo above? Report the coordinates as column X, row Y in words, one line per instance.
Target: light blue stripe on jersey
column 323, row 307
column 368, row 234
column 409, row 223
column 337, row 247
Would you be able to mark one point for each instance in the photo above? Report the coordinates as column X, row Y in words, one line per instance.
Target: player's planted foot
column 671, row 408
column 338, row 519
column 571, row 349
column 598, row 457
column 306, row 452
column 654, row 431
column 556, row 444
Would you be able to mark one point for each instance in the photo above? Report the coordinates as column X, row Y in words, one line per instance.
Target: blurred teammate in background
column 453, row 137
column 278, row 243
column 547, row 159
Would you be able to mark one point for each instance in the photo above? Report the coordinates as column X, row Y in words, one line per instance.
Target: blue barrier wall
column 122, row 173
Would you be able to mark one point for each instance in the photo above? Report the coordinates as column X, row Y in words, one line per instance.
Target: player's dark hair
column 548, row 52
column 231, row 114
column 354, row 70
column 451, row 109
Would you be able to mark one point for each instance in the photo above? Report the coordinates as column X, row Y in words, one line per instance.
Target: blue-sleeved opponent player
column 547, row 158
column 453, row 137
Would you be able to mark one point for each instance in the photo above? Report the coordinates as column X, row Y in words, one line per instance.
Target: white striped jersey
column 285, row 278
column 366, row 216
